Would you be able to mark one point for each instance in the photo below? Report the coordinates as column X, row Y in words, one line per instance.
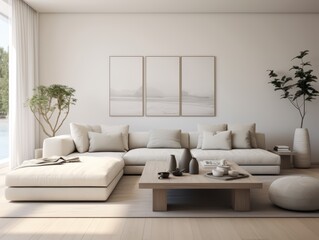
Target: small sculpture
column 172, row 164
column 177, row 172
column 185, row 160
column 193, row 166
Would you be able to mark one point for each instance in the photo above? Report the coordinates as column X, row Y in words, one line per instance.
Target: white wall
column 75, row 49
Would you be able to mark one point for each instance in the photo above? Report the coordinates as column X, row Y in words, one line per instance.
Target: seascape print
column 126, row 86
column 162, row 86
column 198, row 86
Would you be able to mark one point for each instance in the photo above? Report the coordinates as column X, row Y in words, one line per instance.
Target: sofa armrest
column 58, row 146
column 261, row 140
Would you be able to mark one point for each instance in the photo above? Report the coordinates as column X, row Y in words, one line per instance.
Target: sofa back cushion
column 251, row 128
column 118, row 129
column 106, row 142
column 164, row 138
column 241, row 139
column 261, row 140
column 140, row 140
column 193, row 140
column 221, row 140
column 209, row 128
column 79, row 133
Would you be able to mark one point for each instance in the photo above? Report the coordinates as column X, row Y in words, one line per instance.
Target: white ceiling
column 175, row 6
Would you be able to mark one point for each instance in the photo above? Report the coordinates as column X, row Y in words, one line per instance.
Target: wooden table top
column 149, row 179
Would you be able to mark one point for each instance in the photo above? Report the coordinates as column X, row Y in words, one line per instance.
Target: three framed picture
column 162, row 86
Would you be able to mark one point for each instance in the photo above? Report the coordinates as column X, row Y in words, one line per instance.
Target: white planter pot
column 301, row 148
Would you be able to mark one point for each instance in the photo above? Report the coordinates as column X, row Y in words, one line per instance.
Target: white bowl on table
column 224, row 168
column 217, row 173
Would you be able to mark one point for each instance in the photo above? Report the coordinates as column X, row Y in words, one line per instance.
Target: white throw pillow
column 221, row 140
column 241, row 139
column 79, row 133
column 162, row 138
column 106, row 142
column 118, row 129
column 246, row 127
column 208, row 128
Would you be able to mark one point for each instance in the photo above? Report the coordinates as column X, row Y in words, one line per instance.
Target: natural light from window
column 4, row 84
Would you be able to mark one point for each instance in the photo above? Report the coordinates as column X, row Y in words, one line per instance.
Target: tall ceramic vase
column 193, row 166
column 185, row 160
column 301, row 148
column 172, row 163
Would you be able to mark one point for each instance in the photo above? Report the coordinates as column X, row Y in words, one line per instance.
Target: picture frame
column 198, row 86
column 162, row 80
column 126, row 86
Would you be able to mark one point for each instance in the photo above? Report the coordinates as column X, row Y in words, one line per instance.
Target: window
column 4, row 81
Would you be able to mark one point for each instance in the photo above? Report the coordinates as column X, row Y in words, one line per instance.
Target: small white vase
column 301, row 148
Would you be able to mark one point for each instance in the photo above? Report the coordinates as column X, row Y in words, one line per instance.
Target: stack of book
column 282, row 148
column 210, row 163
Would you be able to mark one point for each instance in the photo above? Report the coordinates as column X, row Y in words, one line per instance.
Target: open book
column 54, row 160
column 58, row 158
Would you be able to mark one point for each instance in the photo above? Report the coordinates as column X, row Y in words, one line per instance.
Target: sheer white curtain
column 23, row 77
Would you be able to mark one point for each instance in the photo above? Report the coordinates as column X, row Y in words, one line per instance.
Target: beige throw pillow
column 118, row 129
column 246, row 127
column 208, row 128
column 163, row 138
column 241, row 139
column 79, row 133
column 106, row 142
column 221, row 140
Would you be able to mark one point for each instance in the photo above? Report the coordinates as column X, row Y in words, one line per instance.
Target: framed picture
column 198, row 86
column 162, row 86
column 126, row 89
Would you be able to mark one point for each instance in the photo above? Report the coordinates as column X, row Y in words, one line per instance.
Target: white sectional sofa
column 255, row 160
column 94, row 178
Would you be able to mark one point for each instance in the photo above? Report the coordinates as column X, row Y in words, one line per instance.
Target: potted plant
column 298, row 90
column 51, row 106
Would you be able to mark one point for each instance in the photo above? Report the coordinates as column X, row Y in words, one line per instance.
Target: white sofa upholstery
column 255, row 160
column 91, row 171
column 95, row 177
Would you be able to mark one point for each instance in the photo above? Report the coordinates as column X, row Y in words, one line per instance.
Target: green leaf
column 306, row 64
column 50, row 101
column 302, row 54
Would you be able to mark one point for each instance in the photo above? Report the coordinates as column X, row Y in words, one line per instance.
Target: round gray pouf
column 300, row 193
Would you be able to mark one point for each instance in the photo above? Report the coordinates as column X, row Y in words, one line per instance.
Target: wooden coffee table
column 240, row 187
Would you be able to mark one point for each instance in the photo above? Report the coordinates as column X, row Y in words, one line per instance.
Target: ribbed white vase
column 301, row 148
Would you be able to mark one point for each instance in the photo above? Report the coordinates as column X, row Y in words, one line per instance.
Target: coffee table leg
column 241, row 199
column 159, row 200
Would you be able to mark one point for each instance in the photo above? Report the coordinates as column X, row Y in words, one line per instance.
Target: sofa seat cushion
column 139, row 156
column 90, row 171
column 240, row 156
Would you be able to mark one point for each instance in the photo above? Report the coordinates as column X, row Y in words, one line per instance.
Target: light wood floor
column 161, row 228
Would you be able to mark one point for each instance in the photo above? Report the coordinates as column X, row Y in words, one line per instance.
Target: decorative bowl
column 162, row 175
column 217, row 173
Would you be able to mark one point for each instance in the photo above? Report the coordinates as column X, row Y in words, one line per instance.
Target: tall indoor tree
column 51, row 106
column 299, row 90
